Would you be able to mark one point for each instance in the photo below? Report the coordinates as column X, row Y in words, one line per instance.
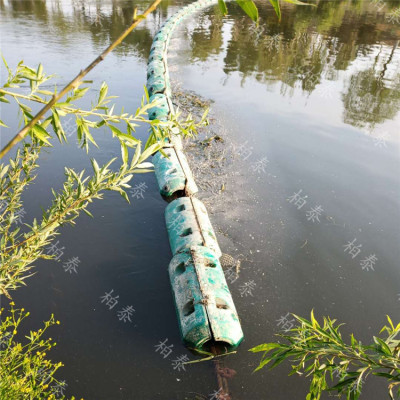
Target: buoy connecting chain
column 206, row 313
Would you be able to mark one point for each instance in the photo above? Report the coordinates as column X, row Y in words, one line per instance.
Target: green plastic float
column 204, row 305
column 188, row 225
column 173, row 174
column 206, row 313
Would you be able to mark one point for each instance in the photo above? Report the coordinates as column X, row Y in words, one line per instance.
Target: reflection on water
column 373, row 95
column 300, row 95
column 308, row 47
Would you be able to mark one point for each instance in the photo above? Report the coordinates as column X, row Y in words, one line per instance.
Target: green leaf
column 264, row 347
column 131, row 141
column 95, row 166
column 383, row 346
column 46, row 122
column 124, row 152
column 279, row 358
column 89, row 136
column 86, row 133
column 115, row 130
column 390, row 321
column 342, row 384
column 262, row 364
column 384, row 375
column 56, row 123
column 79, row 93
column 277, row 8
column 222, row 7
column 149, row 151
column 39, row 71
column 249, row 8
column 136, row 155
column 45, row 92
column 146, row 94
column 3, row 171
column 126, row 179
column 314, row 322
column 299, row 3
column 27, row 73
column 104, row 168
column 88, row 212
column 142, row 171
column 6, row 65
column 27, row 109
column 41, row 133
column 103, row 92
column 3, row 124
column 145, row 165
column 124, row 195
column 62, row 105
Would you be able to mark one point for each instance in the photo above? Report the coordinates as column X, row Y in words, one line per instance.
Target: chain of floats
column 158, row 86
column 158, row 81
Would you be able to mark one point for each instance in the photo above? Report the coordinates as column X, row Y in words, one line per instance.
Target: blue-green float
column 188, row 225
column 204, row 305
column 173, row 174
column 206, row 313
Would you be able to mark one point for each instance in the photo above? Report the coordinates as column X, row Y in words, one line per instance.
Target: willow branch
column 52, row 222
column 74, row 83
column 74, row 110
column 22, row 96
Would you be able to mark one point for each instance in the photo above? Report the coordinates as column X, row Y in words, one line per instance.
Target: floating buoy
column 204, row 305
column 173, row 175
column 156, row 68
column 161, row 110
column 206, row 313
column 156, row 84
column 188, row 225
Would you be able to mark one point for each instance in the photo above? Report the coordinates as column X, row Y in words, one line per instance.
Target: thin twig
column 74, row 83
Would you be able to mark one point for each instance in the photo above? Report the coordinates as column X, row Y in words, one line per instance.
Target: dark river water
column 303, row 188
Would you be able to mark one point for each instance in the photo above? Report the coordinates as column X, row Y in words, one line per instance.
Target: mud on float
column 206, row 312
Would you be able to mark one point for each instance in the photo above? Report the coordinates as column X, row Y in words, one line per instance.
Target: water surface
column 308, row 110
